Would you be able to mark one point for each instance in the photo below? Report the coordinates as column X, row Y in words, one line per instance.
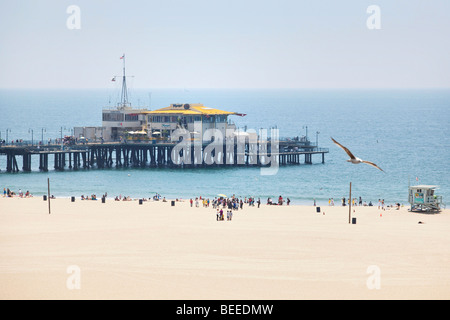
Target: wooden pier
column 146, row 155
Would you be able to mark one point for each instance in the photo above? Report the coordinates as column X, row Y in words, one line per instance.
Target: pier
column 153, row 154
column 181, row 135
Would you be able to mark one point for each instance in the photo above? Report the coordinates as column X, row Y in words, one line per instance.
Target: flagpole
column 124, row 98
column 48, row 194
column 123, row 58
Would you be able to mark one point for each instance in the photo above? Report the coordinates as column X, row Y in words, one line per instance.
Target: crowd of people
column 231, row 204
column 9, row 193
column 359, row 202
column 91, row 197
column 156, row 197
column 355, row 202
column 220, row 216
column 280, row 201
column 67, row 140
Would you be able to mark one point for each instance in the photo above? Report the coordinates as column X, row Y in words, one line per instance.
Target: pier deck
column 145, row 154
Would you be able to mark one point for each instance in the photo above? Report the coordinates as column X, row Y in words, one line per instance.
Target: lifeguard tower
column 423, row 199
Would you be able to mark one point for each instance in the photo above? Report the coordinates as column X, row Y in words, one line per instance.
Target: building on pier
column 124, row 122
column 120, row 119
column 116, row 122
column 195, row 118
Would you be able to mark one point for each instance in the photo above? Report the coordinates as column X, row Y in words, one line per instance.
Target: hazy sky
column 225, row 44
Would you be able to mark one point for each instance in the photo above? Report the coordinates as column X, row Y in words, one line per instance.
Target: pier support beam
column 26, row 162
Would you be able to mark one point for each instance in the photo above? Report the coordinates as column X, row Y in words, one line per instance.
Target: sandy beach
column 124, row 250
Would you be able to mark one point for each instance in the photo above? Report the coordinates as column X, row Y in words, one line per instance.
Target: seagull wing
column 345, row 149
column 372, row 164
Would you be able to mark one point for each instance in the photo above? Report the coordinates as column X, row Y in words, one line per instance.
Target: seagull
column 354, row 159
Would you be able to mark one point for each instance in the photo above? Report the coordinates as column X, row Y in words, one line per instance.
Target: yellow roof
column 162, row 111
column 192, row 109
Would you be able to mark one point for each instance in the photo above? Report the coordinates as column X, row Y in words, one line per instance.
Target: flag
column 122, row 56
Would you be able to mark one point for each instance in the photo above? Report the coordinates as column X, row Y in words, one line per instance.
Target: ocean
column 405, row 132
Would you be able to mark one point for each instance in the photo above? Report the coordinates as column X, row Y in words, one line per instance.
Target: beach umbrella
column 222, row 195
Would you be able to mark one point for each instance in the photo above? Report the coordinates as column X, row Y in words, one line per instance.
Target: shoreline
column 308, row 202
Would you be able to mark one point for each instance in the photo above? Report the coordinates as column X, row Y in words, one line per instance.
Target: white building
column 117, row 121
column 91, row 133
column 195, row 118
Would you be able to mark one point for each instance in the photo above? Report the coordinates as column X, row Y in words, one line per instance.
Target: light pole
column 62, row 145
column 306, row 127
column 7, row 130
column 32, row 139
column 42, row 135
column 317, row 139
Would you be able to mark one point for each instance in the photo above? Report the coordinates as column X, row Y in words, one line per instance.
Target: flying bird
column 354, row 159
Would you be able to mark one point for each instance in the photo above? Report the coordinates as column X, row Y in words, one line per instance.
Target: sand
column 123, row 250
